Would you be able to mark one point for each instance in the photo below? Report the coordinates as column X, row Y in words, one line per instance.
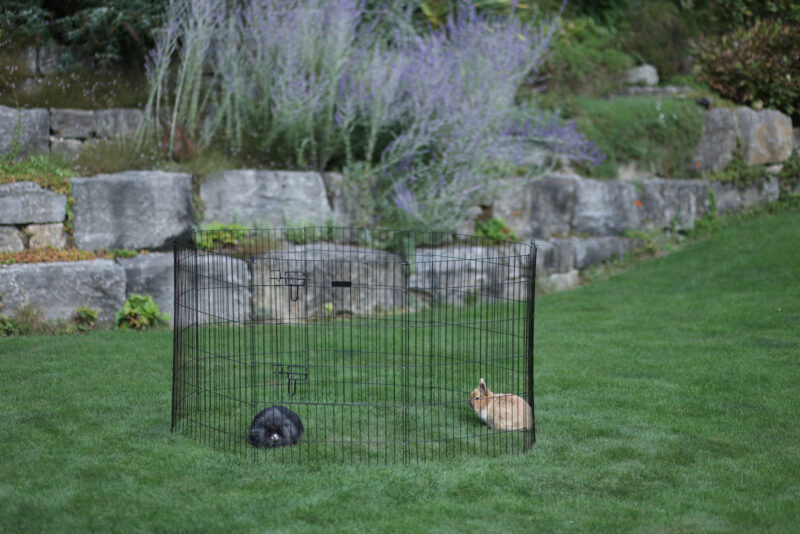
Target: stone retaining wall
column 40, row 130
column 134, row 209
column 58, row 289
column 576, row 223
column 569, row 205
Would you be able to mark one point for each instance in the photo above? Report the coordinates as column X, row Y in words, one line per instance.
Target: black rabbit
column 276, row 426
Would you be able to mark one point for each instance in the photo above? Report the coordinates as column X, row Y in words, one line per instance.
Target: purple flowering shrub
column 418, row 120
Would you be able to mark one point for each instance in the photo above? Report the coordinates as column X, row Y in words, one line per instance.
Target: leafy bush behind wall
column 109, row 31
column 758, row 65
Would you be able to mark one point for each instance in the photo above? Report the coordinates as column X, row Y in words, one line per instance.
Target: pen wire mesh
column 375, row 338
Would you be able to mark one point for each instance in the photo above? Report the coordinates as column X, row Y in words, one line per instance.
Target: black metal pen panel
column 375, row 338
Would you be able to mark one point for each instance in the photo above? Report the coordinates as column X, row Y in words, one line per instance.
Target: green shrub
column 109, row 31
column 601, row 10
column 124, row 253
column 755, row 66
column 30, row 320
column 790, row 173
column 299, row 235
column 85, row 319
column 117, row 155
column 657, row 33
column 8, row 327
column 25, row 20
column 496, row 228
column 730, row 13
column 140, row 312
column 661, row 133
column 739, row 172
column 217, row 234
column 51, row 171
column 587, row 59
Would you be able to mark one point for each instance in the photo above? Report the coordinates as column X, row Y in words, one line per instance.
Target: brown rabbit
column 501, row 411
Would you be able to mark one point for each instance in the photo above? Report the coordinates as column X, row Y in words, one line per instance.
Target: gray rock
column 632, row 172
column 45, row 235
column 151, row 274
column 717, row 142
column 344, row 211
column 27, row 130
column 774, row 169
column 26, row 60
column 468, row 226
column 593, row 251
column 544, row 257
column 668, row 203
column 51, row 58
column 134, row 209
column 562, row 257
column 117, row 122
column 273, row 198
column 766, row 135
column 513, row 205
column 67, row 147
column 455, row 275
column 376, row 282
column 731, row 197
column 642, row 75
column 605, row 208
column 10, row 239
column 72, row 123
column 658, row 92
column 26, row 202
column 58, row 289
column 559, row 282
column 541, row 209
column 214, row 289
column 544, row 250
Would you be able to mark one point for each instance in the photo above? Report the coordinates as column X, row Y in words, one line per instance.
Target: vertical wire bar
column 458, row 331
column 197, row 407
column 305, row 325
column 367, row 286
column 404, row 349
column 225, row 395
column 449, row 342
column 253, row 381
column 530, row 331
column 206, row 367
column 217, row 384
column 220, row 403
column 482, row 353
column 262, row 244
column 175, row 334
column 234, row 315
column 312, row 354
column 357, row 322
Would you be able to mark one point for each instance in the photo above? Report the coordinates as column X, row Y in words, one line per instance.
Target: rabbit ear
column 482, row 387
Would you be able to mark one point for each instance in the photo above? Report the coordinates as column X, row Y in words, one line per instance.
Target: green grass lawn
column 378, row 388
column 667, row 399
